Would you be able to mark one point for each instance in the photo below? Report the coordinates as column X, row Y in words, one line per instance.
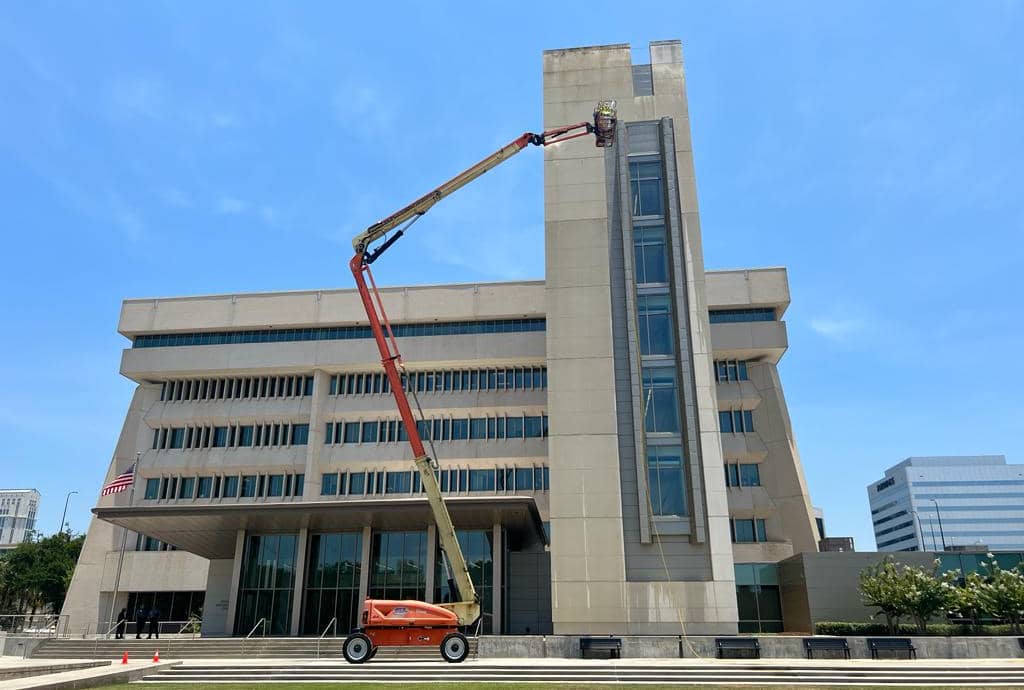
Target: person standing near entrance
column 140, row 621
column 154, row 623
column 122, row 624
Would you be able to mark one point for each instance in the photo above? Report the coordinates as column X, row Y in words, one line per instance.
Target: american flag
column 121, row 482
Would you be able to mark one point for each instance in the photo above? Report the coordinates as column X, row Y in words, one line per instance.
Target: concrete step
column 654, row 671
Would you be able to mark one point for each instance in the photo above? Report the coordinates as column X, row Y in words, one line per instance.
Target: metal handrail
column 88, row 628
column 35, row 624
column 105, row 636
column 191, row 622
column 334, row 624
column 261, row 621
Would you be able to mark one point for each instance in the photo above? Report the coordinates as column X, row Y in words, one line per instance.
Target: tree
column 36, row 573
column 881, row 587
column 928, row 593
column 968, row 602
column 1002, row 594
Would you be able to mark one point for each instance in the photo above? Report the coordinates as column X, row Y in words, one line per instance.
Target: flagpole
column 124, row 541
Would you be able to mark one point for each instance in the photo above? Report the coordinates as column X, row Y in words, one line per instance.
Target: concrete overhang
column 210, row 531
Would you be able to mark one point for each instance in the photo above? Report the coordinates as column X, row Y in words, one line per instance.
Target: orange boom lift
column 386, row 622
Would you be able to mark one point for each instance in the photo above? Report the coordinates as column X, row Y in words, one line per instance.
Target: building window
column 300, row 485
column 275, row 485
column 329, row 484
column 645, row 188
column 398, row 483
column 300, row 434
column 742, row 474
column 356, row 483
column 398, row 566
column 267, row 583
column 230, row 487
column 665, row 480
column 248, row 486
column 205, row 487
column 730, row 370
column 152, row 489
column 748, row 531
column 177, row 437
column 741, row 315
column 478, row 551
column 186, row 488
column 655, row 324
column 758, row 598
column 660, row 400
column 736, row 421
column 332, row 581
column 481, row 480
column 649, row 257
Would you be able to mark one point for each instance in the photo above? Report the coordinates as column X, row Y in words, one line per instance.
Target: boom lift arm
column 467, row 607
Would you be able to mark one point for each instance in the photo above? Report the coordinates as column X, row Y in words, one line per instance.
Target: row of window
column 741, row 315
column 736, row 421
column 742, row 474
column 748, row 531
column 500, row 479
column 730, row 370
column 897, row 540
column 894, row 528
column 277, row 434
column 438, row 429
column 897, row 514
column 237, row 388
column 508, row 378
column 226, row 486
column 282, row 335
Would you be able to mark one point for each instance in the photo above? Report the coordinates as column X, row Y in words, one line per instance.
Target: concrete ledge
column 89, row 678
column 703, row 647
column 40, row 668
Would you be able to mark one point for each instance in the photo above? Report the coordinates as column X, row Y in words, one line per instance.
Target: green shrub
column 845, row 629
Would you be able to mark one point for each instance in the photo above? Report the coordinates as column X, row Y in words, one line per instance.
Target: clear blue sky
column 875, row 149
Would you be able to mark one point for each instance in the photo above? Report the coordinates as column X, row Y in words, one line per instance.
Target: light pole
column 939, row 515
column 65, row 513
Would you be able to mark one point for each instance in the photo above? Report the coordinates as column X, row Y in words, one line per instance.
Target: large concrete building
column 18, row 509
column 932, row 503
column 614, row 440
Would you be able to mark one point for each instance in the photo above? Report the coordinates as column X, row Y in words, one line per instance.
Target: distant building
column 833, row 544
column 18, row 508
column 935, row 503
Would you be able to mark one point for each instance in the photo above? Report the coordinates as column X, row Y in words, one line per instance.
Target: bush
column 845, row 629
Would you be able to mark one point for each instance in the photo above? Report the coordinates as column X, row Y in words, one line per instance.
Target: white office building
column 935, row 503
column 18, row 508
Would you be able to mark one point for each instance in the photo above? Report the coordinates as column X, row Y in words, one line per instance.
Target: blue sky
column 875, row 149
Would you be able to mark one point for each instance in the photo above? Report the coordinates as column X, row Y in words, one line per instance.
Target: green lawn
column 493, row 686
column 502, row 686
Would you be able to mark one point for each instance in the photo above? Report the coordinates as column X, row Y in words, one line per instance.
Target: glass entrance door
column 268, row 578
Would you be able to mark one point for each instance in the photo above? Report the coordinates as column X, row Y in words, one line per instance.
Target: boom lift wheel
column 454, row 647
column 357, row 648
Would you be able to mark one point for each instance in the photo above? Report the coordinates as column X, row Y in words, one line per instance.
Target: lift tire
column 373, row 653
column 454, row 647
column 357, row 648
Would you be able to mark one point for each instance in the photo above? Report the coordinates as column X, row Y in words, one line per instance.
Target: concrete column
column 315, row 444
column 431, row 565
column 497, row 578
column 364, row 569
column 300, row 579
column 236, row 579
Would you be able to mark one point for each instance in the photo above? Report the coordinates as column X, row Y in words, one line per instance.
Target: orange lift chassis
column 385, row 623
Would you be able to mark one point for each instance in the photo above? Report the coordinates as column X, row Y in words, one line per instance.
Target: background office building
column 613, row 441
column 18, row 509
column 933, row 503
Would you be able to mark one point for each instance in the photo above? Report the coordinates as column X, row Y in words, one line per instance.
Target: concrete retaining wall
column 772, row 647
column 18, row 645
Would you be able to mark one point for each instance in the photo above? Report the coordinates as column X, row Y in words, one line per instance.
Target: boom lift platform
column 386, row 623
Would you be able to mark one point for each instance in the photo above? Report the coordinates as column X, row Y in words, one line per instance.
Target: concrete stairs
column 774, row 672
column 174, row 647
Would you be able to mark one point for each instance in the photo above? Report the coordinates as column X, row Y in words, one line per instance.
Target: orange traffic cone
column 124, row 658
column 156, row 656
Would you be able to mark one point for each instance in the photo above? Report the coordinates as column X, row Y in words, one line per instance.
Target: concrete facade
column 18, row 510
column 648, row 520
column 931, row 503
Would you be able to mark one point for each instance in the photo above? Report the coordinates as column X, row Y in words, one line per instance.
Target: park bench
column 612, row 645
column 891, row 644
column 737, row 644
column 826, row 644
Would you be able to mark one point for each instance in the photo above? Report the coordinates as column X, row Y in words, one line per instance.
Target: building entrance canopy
column 211, row 531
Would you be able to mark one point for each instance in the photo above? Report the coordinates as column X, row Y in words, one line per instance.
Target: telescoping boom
column 410, row 622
